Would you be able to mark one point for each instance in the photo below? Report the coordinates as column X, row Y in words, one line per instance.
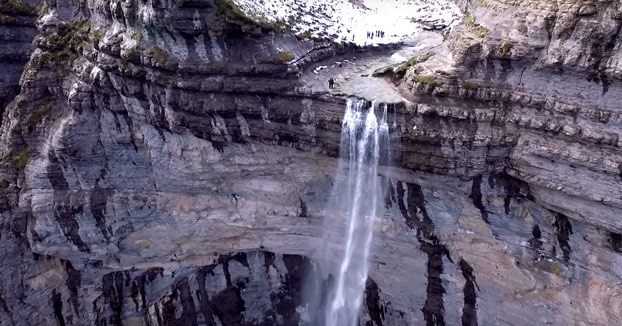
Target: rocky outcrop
column 17, row 30
column 163, row 165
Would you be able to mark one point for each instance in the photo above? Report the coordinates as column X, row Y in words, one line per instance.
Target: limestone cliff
column 165, row 164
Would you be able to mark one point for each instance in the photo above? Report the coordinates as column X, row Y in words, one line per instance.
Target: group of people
column 376, row 33
column 332, row 83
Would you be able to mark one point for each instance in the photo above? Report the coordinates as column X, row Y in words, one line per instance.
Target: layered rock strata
column 162, row 166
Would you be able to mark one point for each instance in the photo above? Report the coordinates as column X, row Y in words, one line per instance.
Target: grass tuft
column 43, row 10
column 21, row 160
column 96, row 36
column 63, row 46
column 469, row 86
column 285, row 57
column 479, row 30
column 431, row 81
column 159, row 55
column 17, row 7
column 506, row 47
column 137, row 36
column 305, row 35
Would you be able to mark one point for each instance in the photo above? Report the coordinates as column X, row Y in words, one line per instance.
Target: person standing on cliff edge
column 331, row 83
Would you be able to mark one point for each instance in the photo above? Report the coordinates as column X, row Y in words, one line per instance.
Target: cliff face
column 163, row 164
column 17, row 29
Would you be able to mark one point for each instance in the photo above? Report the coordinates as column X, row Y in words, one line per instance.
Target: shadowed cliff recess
column 170, row 162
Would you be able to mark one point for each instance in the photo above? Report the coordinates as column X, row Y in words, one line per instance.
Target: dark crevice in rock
column 535, row 242
column 476, row 196
column 229, row 306
column 602, row 50
column 57, row 304
column 389, row 194
column 112, row 288
column 303, row 209
column 73, row 282
column 138, row 285
column 417, row 217
column 64, row 210
column 606, row 83
column 99, row 198
column 514, row 188
column 372, row 301
column 5, row 307
column 615, row 240
column 204, row 302
column 180, row 298
column 298, row 268
column 563, row 230
column 469, row 311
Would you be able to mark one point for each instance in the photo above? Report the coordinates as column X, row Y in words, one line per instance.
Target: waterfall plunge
column 356, row 193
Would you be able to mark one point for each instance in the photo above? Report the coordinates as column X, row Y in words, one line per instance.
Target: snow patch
column 351, row 20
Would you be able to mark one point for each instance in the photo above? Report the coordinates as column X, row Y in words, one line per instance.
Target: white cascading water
column 364, row 140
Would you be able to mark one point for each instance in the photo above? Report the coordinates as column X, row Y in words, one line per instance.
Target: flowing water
column 357, row 193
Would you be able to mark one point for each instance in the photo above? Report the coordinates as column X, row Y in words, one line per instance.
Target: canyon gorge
column 173, row 162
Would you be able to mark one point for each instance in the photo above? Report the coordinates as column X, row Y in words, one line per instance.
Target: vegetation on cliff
column 159, row 55
column 231, row 12
column 479, row 30
column 398, row 70
column 428, row 80
column 285, row 57
column 16, row 7
column 64, row 44
column 20, row 160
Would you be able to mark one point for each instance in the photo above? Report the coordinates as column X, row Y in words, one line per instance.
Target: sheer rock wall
column 157, row 146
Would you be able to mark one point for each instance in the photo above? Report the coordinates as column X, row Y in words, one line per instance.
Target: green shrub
column 137, row 36
column 556, row 268
column 506, row 47
column 64, row 44
column 285, row 57
column 469, row 86
column 16, row 7
column 469, row 20
column 305, row 35
column 96, row 35
column 479, row 30
column 230, row 10
column 399, row 69
column 128, row 52
column 43, row 10
column 159, row 55
column 20, row 160
column 431, row 81
column 280, row 26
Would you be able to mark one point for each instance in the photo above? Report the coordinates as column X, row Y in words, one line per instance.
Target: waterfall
column 356, row 193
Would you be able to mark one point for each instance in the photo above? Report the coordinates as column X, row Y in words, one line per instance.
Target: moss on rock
column 479, row 30
column 21, row 160
column 428, row 80
column 506, row 47
column 16, row 7
column 159, row 55
column 470, row 86
column 285, row 57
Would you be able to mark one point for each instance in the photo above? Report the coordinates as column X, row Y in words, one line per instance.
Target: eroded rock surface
column 164, row 164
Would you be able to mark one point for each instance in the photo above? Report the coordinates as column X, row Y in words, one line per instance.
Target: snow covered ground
column 351, row 20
